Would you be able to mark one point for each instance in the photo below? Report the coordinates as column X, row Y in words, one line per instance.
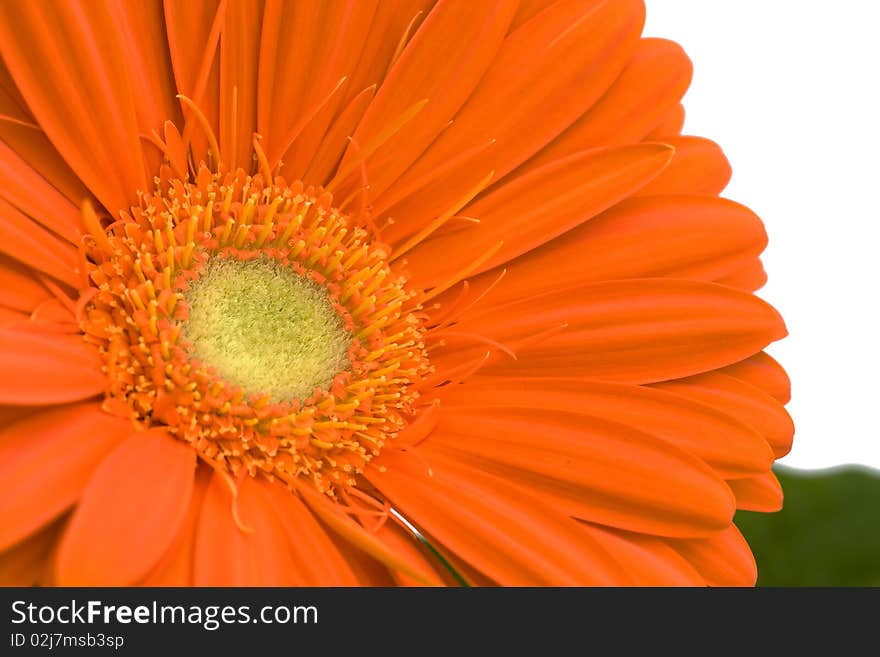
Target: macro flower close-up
column 372, row 292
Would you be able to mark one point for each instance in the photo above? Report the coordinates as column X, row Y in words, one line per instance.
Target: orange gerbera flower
column 371, row 292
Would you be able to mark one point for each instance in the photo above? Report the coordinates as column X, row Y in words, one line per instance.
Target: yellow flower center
column 257, row 324
column 265, row 328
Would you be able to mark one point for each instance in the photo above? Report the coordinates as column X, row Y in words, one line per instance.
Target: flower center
column 265, row 328
column 255, row 322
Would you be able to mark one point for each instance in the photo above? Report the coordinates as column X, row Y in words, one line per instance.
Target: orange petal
column 26, row 189
column 192, row 45
column 724, row 441
column 468, row 35
column 749, row 277
column 631, row 331
column 26, row 139
column 19, row 288
column 695, row 237
column 175, row 568
column 648, row 560
column 654, row 80
column 699, row 167
column 239, row 58
column 740, row 400
column 762, row 493
column 333, row 144
column 50, row 368
column 317, row 560
column 261, row 551
column 297, row 75
column 10, row 414
column 78, row 89
column 670, row 126
column 343, row 526
column 54, row 312
column 142, row 26
column 12, row 318
column 367, row 570
column 402, row 542
column 527, row 10
column 227, row 555
column 473, row 577
column 22, row 239
column 493, row 525
column 393, row 25
column 723, row 559
column 46, row 459
column 130, row 511
column 26, row 563
column 763, row 372
column 546, row 74
column 537, row 207
column 591, row 468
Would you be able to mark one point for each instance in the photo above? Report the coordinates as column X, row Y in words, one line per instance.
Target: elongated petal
column 595, row 469
column 46, row 460
column 393, row 26
column 53, row 312
column 175, row 567
column 78, row 89
column 469, row 36
column 546, row 74
column 749, row 277
column 633, row 331
column 527, row 10
column 329, row 152
column 239, row 59
column 317, row 561
column 299, row 90
column 763, row 372
column 18, row 287
column 416, row 554
column 10, row 414
column 654, row 80
column 227, row 554
column 648, row 560
column 26, row 563
column 493, row 525
column 695, row 237
column 670, row 126
column 699, row 167
column 52, row 368
column 357, row 536
column 21, row 133
column 271, row 541
column 12, row 318
column 723, row 559
column 741, row 400
column 142, row 27
column 724, row 441
column 193, row 28
column 535, row 208
column 27, row 190
column 367, row 571
column 26, row 241
column 129, row 513
column 762, row 493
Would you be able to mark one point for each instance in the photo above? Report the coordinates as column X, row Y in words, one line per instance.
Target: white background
column 791, row 91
